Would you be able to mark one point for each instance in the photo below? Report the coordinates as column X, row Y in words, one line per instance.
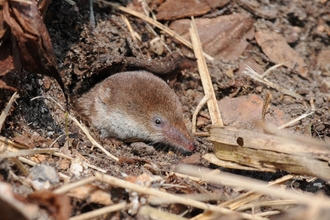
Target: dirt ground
column 87, row 54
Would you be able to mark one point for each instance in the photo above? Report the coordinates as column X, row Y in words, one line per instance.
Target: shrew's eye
column 158, row 121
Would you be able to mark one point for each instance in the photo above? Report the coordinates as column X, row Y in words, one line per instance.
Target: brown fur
column 127, row 105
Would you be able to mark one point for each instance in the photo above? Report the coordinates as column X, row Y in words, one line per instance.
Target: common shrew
column 136, row 106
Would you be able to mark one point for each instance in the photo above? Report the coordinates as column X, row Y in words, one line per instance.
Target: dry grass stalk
column 135, row 36
column 82, row 127
column 20, row 166
column 158, row 214
column 101, row 211
column 232, row 165
column 256, row 76
column 274, row 204
column 250, row 184
column 22, row 153
column 168, row 198
column 240, row 201
column 206, row 80
column 293, row 121
column 266, row 104
column 5, row 142
column 85, row 163
column 5, row 112
column 91, row 139
column 69, row 186
column 245, row 198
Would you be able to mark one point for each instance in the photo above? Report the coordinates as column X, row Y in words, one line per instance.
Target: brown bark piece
column 32, row 38
column 3, row 25
column 172, row 9
column 244, row 111
column 251, row 63
column 217, row 3
column 267, row 11
column 279, row 51
column 223, row 37
column 6, row 58
column 322, row 60
column 193, row 159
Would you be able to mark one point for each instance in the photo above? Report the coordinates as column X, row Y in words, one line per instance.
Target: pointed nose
column 191, row 147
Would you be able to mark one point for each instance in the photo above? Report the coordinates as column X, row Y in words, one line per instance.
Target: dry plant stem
column 295, row 120
column 197, row 110
column 256, row 76
column 153, row 213
column 129, row 27
column 317, row 144
column 153, row 22
column 202, row 134
column 5, row 112
column 251, row 184
column 274, row 204
column 188, row 177
column 148, row 10
column 20, row 179
column 223, row 163
column 29, row 162
column 85, row 163
column 205, row 77
column 63, row 156
column 269, row 213
column 20, row 166
column 266, row 104
column 271, row 69
column 28, row 152
column 83, row 128
column 91, row 139
column 69, row 186
column 6, row 141
column 56, row 140
column 160, row 37
column 238, row 202
column 313, row 108
column 166, row 197
column 101, row 211
column 252, row 195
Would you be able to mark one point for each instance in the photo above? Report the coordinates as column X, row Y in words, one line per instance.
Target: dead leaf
column 193, row 159
column 173, row 9
column 267, row 11
column 244, row 111
column 217, row 3
column 91, row 193
column 33, row 42
column 251, row 63
column 3, row 26
column 6, row 58
column 223, row 37
column 279, row 51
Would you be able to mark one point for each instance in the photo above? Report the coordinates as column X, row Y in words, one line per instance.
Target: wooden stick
column 205, row 77
column 168, row 198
